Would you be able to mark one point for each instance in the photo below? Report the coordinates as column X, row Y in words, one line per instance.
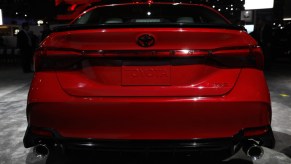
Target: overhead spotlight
column 1, row 19
column 39, row 22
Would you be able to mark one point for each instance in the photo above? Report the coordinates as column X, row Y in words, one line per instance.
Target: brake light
column 256, row 57
column 146, row 54
column 51, row 59
column 245, row 56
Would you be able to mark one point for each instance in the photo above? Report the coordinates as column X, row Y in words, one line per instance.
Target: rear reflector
column 255, row 131
column 41, row 132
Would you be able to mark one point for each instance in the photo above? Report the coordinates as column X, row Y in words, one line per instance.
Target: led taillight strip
column 249, row 55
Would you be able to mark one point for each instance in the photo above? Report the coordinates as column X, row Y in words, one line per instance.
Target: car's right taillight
column 55, row 59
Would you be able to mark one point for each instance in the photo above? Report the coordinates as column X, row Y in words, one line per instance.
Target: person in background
column 288, row 30
column 263, row 34
column 46, row 31
column 34, row 40
column 25, row 44
column 241, row 23
column 1, row 42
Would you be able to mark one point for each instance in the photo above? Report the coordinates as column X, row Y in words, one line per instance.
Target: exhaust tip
column 253, row 149
column 41, row 151
column 255, row 152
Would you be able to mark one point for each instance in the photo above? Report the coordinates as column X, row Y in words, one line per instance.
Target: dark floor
column 14, row 86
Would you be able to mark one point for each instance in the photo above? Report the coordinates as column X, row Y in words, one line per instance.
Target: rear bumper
column 90, row 120
column 31, row 139
column 148, row 119
column 219, row 147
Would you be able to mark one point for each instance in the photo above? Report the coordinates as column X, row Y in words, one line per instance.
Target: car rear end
column 151, row 77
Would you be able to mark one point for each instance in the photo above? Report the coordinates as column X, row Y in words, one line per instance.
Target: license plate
column 146, row 75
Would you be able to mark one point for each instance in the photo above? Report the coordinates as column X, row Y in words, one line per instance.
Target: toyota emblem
column 145, row 40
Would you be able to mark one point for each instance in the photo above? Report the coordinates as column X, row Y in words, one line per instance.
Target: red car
column 149, row 76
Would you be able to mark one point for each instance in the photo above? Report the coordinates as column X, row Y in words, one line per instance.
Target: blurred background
column 271, row 16
column 268, row 21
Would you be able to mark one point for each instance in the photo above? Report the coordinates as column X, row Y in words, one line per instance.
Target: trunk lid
column 181, row 62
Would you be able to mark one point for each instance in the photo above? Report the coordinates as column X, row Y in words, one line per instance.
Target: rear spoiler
column 142, row 25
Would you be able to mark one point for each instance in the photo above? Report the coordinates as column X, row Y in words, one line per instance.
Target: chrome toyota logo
column 145, row 40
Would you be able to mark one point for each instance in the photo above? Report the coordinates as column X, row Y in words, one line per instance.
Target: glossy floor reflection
column 14, row 86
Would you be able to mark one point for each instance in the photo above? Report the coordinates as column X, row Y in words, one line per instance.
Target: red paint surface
column 167, row 95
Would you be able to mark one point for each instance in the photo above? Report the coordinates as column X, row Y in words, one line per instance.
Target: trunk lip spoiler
column 154, row 51
column 142, row 25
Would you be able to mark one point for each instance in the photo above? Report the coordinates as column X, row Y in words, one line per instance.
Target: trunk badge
column 145, row 40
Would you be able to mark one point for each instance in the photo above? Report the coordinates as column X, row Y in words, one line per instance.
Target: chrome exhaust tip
column 41, row 151
column 253, row 150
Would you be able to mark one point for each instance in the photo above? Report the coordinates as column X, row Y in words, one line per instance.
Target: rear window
column 150, row 14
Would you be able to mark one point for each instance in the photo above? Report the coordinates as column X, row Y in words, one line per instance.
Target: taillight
column 46, row 59
column 54, row 59
column 256, row 57
column 147, row 54
column 245, row 56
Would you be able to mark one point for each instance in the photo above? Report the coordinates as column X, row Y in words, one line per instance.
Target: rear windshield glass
column 150, row 14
